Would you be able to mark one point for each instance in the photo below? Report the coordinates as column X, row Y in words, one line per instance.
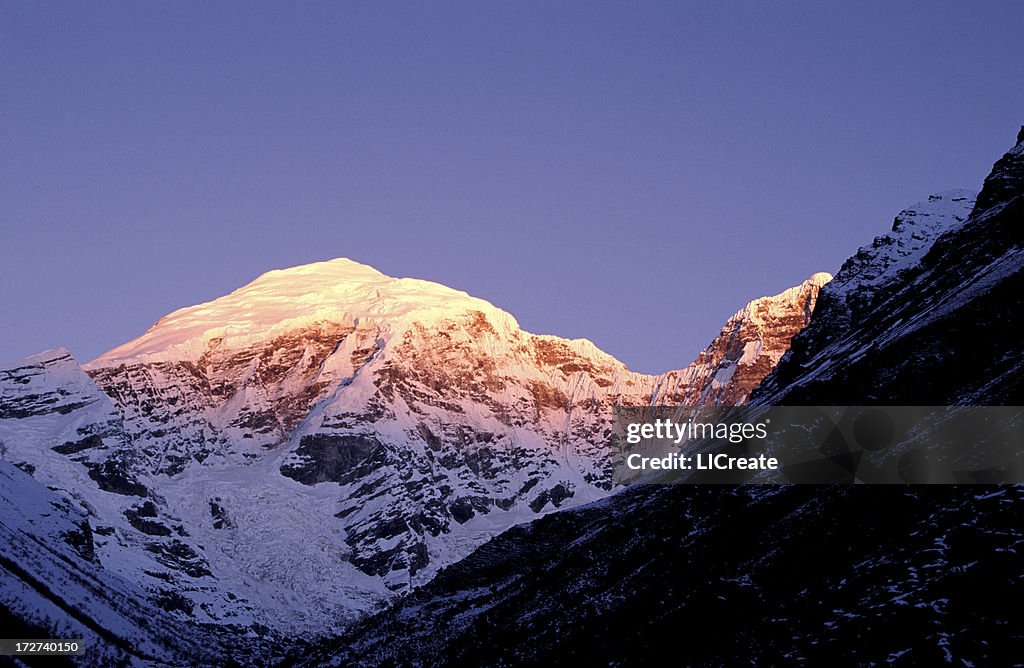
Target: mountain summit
column 331, row 419
column 339, row 291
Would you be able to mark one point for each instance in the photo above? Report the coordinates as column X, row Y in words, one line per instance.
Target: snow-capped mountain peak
column 339, row 291
column 329, row 417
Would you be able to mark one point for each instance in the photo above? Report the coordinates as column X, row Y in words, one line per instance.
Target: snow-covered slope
column 340, row 291
column 52, row 416
column 180, row 549
column 52, row 584
column 88, row 548
column 329, row 419
column 59, row 427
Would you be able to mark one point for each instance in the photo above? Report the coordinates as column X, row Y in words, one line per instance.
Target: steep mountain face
column 427, row 410
column 935, row 327
column 750, row 345
column 902, row 575
column 329, row 419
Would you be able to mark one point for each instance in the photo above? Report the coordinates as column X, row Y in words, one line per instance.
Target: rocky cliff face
column 750, row 345
column 331, row 419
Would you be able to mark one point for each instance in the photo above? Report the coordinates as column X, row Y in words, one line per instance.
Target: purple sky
column 628, row 173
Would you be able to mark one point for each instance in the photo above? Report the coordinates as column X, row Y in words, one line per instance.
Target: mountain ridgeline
column 942, row 331
column 295, row 455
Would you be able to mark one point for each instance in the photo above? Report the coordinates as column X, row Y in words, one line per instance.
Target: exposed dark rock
column 555, row 496
column 142, row 518
column 480, row 461
column 179, row 556
column 33, row 405
column 220, row 515
column 1004, row 183
column 173, row 601
column 114, row 475
column 26, row 467
column 528, row 485
column 81, row 541
column 465, row 508
column 327, row 457
column 71, row 447
column 505, row 504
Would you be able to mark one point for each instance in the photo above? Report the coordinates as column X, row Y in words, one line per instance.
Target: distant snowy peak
column 48, row 382
column 799, row 298
column 339, row 292
column 913, row 232
column 750, row 344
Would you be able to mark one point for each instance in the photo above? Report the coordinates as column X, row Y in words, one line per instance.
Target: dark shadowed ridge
column 947, row 333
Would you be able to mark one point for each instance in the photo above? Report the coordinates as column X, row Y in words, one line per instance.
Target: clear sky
column 628, row 172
